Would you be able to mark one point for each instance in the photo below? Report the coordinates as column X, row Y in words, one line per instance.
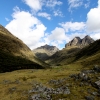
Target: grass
column 87, row 56
column 23, row 80
column 14, row 54
column 27, row 78
column 9, row 62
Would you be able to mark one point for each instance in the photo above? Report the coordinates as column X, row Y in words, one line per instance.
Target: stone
column 96, row 68
column 89, row 98
column 77, row 41
column 97, row 84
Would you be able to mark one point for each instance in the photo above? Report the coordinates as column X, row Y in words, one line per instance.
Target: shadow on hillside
column 42, row 56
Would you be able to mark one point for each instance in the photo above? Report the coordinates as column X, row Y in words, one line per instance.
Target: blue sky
column 53, row 22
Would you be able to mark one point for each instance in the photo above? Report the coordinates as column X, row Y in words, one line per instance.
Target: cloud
column 98, row 3
column 7, row 19
column 35, row 5
column 57, row 34
column 93, row 19
column 58, row 13
column 45, row 15
column 73, row 26
column 95, row 36
column 56, row 37
column 53, row 3
column 26, row 27
column 74, row 4
column 86, row 5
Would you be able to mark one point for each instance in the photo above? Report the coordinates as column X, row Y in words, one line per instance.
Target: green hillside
column 14, row 54
column 87, row 56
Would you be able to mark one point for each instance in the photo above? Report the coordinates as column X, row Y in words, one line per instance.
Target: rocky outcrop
column 45, row 51
column 77, row 41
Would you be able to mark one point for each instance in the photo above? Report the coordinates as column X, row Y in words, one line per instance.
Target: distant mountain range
column 45, row 51
column 77, row 41
column 14, row 54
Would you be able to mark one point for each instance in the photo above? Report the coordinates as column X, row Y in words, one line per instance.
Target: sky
column 52, row 22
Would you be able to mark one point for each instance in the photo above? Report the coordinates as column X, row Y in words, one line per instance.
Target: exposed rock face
column 45, row 51
column 77, row 41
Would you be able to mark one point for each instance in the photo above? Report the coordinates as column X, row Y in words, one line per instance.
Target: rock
column 96, row 68
column 89, row 98
column 57, row 82
column 88, row 71
column 83, row 76
column 95, row 93
column 97, row 84
column 77, row 41
column 87, row 40
column 44, row 93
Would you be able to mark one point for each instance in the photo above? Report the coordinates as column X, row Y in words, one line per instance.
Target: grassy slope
column 64, row 56
column 27, row 79
column 9, row 62
column 87, row 56
column 14, row 53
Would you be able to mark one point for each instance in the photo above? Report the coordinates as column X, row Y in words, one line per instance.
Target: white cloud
column 93, row 19
column 26, row 27
column 74, row 4
column 58, row 34
column 53, row 3
column 56, row 38
column 95, row 36
column 58, row 13
column 44, row 14
column 36, row 5
column 7, row 19
column 98, row 3
column 73, row 26
column 86, row 5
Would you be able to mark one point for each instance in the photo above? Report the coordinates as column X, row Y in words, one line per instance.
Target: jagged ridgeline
column 14, row 54
column 77, row 41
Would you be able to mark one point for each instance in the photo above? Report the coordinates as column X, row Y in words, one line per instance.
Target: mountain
column 45, row 51
column 14, row 54
column 77, row 41
column 87, row 55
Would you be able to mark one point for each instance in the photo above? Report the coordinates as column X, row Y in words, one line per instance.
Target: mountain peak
column 45, row 51
column 77, row 41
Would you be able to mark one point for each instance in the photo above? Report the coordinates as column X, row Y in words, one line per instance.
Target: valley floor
column 60, row 83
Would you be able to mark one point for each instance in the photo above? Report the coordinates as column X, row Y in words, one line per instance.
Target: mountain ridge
column 77, row 41
column 75, row 54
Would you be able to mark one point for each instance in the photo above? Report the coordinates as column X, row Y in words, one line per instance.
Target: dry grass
column 27, row 78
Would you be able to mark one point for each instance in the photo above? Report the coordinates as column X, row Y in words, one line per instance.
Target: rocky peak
column 87, row 40
column 45, row 51
column 48, row 47
column 77, row 41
